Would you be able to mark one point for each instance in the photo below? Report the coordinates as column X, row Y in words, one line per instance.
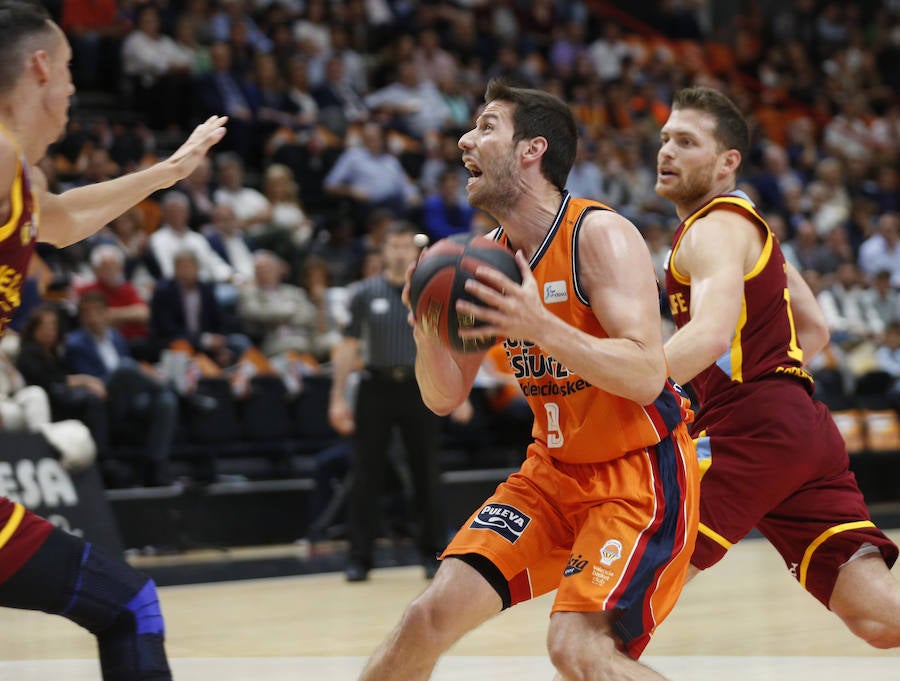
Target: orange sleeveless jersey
column 575, row 421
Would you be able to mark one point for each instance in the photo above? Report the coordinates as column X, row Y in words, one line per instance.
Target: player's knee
column 573, row 660
column 426, row 622
column 571, row 663
column 145, row 609
column 421, row 617
column 110, row 594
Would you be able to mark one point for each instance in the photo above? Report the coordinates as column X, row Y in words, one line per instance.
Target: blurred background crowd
column 345, row 116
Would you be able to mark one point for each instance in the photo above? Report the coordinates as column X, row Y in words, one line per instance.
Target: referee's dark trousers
column 389, row 398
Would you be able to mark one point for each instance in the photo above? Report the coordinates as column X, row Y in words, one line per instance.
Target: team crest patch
column 611, row 552
column 28, row 232
column 507, row 521
column 555, row 292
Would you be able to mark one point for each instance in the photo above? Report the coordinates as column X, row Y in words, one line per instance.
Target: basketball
column 439, row 281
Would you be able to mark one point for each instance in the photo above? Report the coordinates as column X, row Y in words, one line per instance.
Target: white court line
column 453, row 668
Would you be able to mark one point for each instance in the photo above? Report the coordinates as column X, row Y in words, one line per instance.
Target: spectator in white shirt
column 251, row 208
column 848, row 311
column 174, row 236
column 883, row 298
column 224, row 234
column 881, row 251
column 159, row 72
column 412, row 102
column 280, row 316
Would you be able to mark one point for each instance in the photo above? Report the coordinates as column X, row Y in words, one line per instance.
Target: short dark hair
column 540, row 114
column 732, row 131
column 92, row 298
column 20, row 22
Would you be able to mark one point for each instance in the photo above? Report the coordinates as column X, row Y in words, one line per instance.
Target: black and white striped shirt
column 378, row 318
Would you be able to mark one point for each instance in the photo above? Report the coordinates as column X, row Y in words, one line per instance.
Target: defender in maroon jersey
column 42, row 567
column 771, row 457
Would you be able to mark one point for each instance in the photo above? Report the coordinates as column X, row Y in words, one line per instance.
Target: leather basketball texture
column 439, row 281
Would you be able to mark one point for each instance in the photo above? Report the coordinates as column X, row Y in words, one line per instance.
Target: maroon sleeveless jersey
column 17, row 238
column 21, row 533
column 764, row 341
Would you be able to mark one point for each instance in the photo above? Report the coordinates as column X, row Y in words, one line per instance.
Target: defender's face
column 688, row 156
column 59, row 88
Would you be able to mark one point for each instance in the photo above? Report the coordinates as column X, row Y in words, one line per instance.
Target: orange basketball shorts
column 610, row 536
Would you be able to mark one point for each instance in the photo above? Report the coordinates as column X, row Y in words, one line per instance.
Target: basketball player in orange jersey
column 604, row 508
column 41, row 567
column 771, row 457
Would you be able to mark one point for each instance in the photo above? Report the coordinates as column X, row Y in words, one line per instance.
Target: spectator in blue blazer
column 137, row 399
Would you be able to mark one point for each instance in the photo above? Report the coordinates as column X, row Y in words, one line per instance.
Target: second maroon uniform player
column 759, row 429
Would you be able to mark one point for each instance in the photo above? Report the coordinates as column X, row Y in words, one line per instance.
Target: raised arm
column 76, row 214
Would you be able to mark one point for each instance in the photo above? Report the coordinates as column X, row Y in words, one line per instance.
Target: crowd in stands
column 345, row 114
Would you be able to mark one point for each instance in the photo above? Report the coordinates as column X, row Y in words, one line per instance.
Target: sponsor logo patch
column 555, row 291
column 575, row 565
column 507, row 521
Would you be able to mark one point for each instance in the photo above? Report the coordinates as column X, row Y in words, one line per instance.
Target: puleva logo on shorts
column 555, row 291
column 611, row 552
column 507, row 521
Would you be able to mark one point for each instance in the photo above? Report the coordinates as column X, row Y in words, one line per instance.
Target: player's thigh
column 521, row 532
column 820, row 527
column 750, row 461
column 459, row 598
column 632, row 550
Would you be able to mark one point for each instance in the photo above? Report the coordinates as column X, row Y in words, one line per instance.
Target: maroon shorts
column 21, row 534
column 772, row 458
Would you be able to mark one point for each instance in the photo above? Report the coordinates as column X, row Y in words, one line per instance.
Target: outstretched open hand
column 188, row 155
column 510, row 310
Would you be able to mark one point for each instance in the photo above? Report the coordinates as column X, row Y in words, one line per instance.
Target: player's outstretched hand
column 204, row 136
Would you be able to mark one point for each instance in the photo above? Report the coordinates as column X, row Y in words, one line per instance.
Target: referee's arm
column 345, row 359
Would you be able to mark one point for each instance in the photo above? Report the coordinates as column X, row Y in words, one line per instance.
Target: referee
column 379, row 340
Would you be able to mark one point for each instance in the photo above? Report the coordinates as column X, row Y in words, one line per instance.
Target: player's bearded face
column 692, row 184
column 689, row 158
column 498, row 187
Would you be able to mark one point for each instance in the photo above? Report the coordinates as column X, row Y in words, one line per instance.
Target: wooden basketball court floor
column 746, row 619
